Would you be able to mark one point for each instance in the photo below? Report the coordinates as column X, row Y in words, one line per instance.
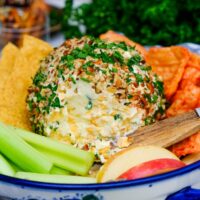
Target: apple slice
column 151, row 168
column 191, row 158
column 130, row 157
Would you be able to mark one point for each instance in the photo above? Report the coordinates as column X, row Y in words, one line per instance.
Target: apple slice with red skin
column 130, row 157
column 151, row 168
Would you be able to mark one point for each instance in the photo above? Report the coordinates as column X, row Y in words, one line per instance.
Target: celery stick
column 15, row 167
column 68, row 151
column 50, row 178
column 59, row 171
column 5, row 167
column 65, row 163
column 21, row 153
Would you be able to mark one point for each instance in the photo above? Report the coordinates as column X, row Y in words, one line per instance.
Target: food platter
column 166, row 183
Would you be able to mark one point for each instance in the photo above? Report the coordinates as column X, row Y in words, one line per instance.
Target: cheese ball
column 92, row 94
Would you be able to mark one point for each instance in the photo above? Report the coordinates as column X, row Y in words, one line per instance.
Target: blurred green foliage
column 148, row 22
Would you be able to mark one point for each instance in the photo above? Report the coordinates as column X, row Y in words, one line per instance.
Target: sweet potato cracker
column 187, row 146
column 169, row 63
column 184, row 100
column 187, row 98
column 194, row 60
column 15, row 87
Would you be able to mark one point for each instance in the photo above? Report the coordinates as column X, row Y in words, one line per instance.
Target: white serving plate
column 185, row 181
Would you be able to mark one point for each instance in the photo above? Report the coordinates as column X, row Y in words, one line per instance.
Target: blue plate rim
column 101, row 186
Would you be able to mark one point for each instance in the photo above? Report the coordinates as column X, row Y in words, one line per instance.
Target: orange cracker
column 187, row 98
column 187, row 146
column 169, row 63
column 194, row 60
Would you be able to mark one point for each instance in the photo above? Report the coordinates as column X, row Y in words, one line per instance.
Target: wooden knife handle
column 168, row 131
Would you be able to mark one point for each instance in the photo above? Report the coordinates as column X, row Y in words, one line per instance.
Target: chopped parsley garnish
column 94, row 55
column 161, row 110
column 127, row 103
column 123, row 46
column 139, row 78
column 78, row 53
column 112, row 80
column 70, row 58
column 151, row 98
column 147, row 79
column 113, row 70
column 106, row 58
column 103, row 71
column 159, row 86
column 68, row 61
column 51, row 97
column 30, row 105
column 40, row 77
column 135, row 60
column 54, row 87
column 46, row 109
column 90, row 104
column 102, row 45
column 87, row 47
column 72, row 78
column 118, row 57
column 117, row 116
column 130, row 68
column 60, row 73
column 82, row 55
column 130, row 96
column 85, row 79
column 111, row 45
column 88, row 64
column 154, row 98
column 146, row 68
column 128, row 80
column 149, row 120
column 39, row 97
column 56, row 103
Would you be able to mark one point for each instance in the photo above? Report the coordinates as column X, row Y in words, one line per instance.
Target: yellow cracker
column 19, row 78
